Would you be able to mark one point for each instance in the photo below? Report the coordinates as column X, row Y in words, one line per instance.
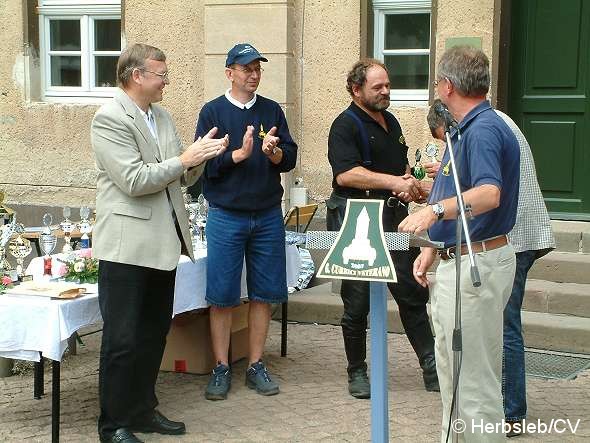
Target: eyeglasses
column 438, row 80
column 250, row 71
column 162, row 75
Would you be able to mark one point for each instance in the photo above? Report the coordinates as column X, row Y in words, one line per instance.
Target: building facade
column 59, row 58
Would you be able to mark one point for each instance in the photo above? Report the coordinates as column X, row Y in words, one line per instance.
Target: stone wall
column 46, row 157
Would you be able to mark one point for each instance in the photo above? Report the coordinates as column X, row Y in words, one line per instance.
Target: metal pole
column 38, row 378
column 55, row 397
column 379, row 403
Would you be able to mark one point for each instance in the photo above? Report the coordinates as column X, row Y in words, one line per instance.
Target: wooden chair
column 299, row 218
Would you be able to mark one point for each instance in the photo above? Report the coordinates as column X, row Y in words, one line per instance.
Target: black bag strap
column 365, row 150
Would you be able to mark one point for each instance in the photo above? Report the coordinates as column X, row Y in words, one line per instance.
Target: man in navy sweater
column 243, row 187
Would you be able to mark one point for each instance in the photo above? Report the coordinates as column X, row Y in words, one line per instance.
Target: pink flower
column 86, row 253
column 6, row 280
column 59, row 269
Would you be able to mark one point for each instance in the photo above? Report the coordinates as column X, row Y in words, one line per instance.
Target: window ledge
column 72, row 100
column 408, row 104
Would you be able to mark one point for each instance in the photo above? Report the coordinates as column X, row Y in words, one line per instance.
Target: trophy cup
column 191, row 212
column 85, row 227
column 201, row 222
column 47, row 242
column 6, row 232
column 20, row 248
column 431, row 151
column 418, row 169
column 67, row 227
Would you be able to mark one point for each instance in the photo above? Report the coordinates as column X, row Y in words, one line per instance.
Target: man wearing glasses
column 369, row 159
column 488, row 171
column 141, row 228
column 243, row 187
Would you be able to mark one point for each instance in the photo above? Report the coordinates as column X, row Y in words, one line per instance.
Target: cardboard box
column 188, row 344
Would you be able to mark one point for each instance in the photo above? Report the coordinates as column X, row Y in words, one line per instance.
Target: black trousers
column 136, row 307
column 408, row 294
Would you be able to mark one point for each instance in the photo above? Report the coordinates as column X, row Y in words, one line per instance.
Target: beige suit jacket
column 134, row 221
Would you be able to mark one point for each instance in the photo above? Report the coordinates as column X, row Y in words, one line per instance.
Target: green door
column 549, row 85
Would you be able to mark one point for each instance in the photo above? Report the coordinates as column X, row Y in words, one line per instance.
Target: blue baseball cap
column 242, row 54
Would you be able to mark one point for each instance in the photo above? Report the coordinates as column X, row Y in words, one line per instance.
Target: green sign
column 463, row 41
column 360, row 251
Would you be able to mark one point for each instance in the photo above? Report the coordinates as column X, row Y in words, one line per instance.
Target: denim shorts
column 257, row 236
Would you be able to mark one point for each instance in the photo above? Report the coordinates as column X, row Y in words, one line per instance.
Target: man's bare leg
column 258, row 321
column 220, row 320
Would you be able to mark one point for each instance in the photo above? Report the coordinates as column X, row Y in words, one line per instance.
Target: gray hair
column 467, row 68
column 134, row 57
column 434, row 118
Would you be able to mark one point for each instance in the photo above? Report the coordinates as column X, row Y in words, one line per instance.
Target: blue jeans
column 513, row 370
column 257, row 236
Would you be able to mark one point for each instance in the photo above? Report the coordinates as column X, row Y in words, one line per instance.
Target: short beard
column 377, row 107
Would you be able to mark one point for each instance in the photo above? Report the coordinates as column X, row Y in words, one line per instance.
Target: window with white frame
column 402, row 42
column 80, row 42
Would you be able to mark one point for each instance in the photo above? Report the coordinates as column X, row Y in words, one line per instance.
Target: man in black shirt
column 368, row 155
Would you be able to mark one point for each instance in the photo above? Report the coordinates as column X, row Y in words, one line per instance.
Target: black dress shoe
column 156, row 422
column 121, row 435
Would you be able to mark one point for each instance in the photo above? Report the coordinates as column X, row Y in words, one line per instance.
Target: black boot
column 428, row 365
column 358, row 380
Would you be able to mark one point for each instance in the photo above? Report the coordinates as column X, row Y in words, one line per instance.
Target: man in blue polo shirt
column 487, row 159
column 243, row 187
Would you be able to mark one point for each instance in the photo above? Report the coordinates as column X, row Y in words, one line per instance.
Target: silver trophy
column 85, row 227
column 20, row 248
column 191, row 213
column 431, row 150
column 201, row 222
column 189, row 206
column 67, row 226
column 6, row 232
column 47, row 242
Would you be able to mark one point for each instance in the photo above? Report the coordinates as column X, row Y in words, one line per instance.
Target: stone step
column 557, row 298
column 542, row 330
column 556, row 332
column 571, row 236
column 562, row 267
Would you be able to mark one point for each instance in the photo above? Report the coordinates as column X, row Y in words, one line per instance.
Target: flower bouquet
column 5, row 283
column 81, row 269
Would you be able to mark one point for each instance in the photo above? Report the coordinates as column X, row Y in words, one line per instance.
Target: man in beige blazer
column 141, row 229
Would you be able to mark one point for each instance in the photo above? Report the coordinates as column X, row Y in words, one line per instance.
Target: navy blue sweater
column 255, row 183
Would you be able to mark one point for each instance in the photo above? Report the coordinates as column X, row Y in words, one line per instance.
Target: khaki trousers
column 480, row 387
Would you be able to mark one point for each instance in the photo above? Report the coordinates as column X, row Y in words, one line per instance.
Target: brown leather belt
column 478, row 246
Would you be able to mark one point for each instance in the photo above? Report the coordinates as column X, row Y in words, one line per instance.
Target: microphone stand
column 475, row 279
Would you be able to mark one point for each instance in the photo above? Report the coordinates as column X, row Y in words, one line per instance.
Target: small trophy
column 201, row 222
column 418, row 170
column 47, row 242
column 67, row 226
column 85, row 227
column 6, row 232
column 192, row 213
column 431, row 151
column 20, row 248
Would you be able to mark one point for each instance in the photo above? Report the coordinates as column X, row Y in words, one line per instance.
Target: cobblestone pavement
column 313, row 404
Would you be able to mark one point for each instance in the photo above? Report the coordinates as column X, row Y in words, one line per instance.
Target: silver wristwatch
column 439, row 210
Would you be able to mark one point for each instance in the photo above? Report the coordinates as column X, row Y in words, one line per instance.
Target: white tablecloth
column 191, row 277
column 31, row 324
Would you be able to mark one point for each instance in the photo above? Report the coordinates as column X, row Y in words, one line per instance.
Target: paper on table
column 61, row 290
